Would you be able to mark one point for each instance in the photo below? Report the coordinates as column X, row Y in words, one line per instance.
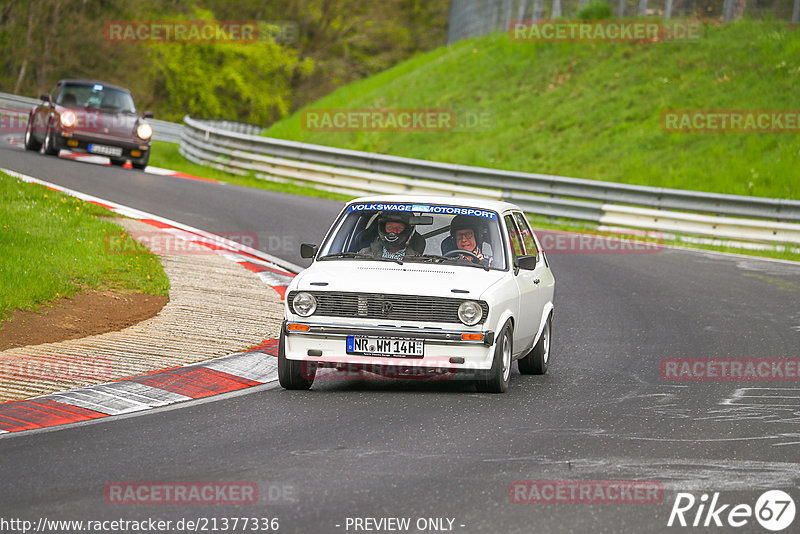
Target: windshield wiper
column 431, row 257
column 360, row 255
column 348, row 255
column 448, row 258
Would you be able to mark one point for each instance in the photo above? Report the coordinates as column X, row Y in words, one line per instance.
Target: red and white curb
column 221, row 375
column 137, row 393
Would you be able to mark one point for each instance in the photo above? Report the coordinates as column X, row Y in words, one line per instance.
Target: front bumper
column 445, row 353
column 79, row 142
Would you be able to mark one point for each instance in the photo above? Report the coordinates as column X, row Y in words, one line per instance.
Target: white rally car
column 421, row 286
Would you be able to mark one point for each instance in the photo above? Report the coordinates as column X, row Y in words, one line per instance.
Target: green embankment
column 593, row 110
column 54, row 245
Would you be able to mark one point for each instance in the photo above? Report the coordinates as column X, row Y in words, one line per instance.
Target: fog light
column 72, row 142
column 136, row 153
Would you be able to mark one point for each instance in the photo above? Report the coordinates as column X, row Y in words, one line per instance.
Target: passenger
column 467, row 233
column 392, row 242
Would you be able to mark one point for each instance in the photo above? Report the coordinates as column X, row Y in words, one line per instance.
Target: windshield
column 431, row 233
column 96, row 96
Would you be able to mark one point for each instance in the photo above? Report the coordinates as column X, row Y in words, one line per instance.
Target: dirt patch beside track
column 85, row 314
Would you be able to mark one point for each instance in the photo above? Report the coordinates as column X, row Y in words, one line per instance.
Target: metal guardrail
column 162, row 130
column 557, row 196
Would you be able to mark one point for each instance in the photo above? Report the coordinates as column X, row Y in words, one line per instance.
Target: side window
column 54, row 94
column 526, row 234
column 513, row 234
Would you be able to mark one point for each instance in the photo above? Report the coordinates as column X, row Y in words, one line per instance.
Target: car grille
column 389, row 307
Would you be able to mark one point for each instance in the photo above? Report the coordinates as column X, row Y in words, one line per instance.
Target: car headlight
column 144, row 131
column 304, row 304
column 470, row 312
column 68, row 119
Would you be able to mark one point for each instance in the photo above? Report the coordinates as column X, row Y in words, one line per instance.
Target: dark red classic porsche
column 91, row 117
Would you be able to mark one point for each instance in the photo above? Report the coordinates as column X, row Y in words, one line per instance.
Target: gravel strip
column 216, row 307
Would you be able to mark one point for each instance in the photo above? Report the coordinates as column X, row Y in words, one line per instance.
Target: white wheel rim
column 47, row 141
column 506, row 358
column 546, row 343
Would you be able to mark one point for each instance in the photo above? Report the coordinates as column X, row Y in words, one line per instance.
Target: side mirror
column 45, row 97
column 147, row 115
column 527, row 263
column 308, row 250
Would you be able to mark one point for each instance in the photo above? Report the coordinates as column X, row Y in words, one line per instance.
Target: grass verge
column 591, row 110
column 55, row 246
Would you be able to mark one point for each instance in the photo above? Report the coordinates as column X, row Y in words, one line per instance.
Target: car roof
column 92, row 82
column 466, row 202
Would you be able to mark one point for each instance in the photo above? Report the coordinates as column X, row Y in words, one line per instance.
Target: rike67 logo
column 774, row 510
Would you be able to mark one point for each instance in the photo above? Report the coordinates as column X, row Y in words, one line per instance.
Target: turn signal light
column 136, row 153
column 297, row 327
column 471, row 337
column 72, row 142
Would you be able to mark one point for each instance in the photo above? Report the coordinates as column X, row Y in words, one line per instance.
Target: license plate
column 105, row 150
column 382, row 346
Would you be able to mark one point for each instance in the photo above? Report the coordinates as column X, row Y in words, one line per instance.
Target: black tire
column 118, row 162
column 294, row 374
column 30, row 141
column 49, row 143
column 537, row 360
column 500, row 373
column 141, row 163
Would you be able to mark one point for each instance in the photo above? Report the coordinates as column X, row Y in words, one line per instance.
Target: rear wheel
column 30, row 142
column 293, row 374
column 500, row 373
column 537, row 360
column 50, row 143
column 141, row 163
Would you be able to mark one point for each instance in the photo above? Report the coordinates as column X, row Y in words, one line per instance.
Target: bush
column 595, row 10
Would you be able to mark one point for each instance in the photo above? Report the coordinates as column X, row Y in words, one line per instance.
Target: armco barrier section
column 709, row 214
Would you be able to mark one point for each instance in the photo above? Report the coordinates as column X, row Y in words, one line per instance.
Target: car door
column 541, row 276
column 527, row 322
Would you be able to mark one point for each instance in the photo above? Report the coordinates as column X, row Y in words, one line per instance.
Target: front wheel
column 293, row 374
column 537, row 360
column 50, row 143
column 500, row 373
column 141, row 163
column 30, row 142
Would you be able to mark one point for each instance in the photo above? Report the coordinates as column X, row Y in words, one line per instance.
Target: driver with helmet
column 467, row 232
column 394, row 233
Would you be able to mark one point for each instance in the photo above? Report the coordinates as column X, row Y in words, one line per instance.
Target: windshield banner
column 423, row 208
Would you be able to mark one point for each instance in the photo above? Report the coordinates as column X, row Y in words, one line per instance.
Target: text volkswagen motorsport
column 92, row 117
column 421, row 286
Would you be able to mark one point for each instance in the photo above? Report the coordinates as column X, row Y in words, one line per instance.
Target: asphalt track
column 367, row 448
